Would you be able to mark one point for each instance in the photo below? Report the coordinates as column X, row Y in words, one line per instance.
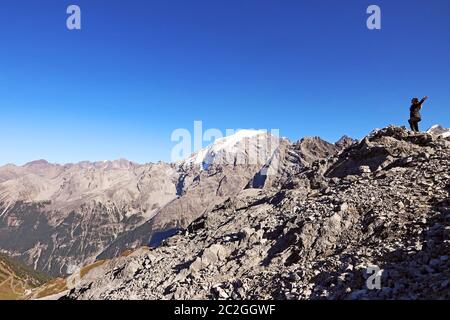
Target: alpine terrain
column 17, row 280
column 58, row 218
column 313, row 220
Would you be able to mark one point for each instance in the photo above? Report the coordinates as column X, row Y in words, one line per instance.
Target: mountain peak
column 344, row 142
column 231, row 144
column 116, row 164
column 36, row 163
column 438, row 130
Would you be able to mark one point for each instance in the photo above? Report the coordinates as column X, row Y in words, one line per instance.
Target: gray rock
column 329, row 256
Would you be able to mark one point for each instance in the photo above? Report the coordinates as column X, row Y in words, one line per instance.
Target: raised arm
column 423, row 100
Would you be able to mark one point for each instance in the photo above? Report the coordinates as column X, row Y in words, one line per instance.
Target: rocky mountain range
column 58, row 218
column 250, row 216
column 379, row 207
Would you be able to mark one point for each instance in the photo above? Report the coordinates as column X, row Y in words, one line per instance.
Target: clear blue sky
column 141, row 68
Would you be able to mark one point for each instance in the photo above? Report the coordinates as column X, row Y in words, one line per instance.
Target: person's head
column 415, row 100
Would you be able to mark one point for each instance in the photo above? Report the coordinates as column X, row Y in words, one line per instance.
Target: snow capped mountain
column 439, row 131
column 243, row 147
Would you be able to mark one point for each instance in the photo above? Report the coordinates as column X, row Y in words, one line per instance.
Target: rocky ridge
column 381, row 204
column 57, row 218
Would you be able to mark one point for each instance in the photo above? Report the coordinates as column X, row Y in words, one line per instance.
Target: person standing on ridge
column 414, row 116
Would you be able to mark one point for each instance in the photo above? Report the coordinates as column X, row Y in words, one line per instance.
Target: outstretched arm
column 423, row 100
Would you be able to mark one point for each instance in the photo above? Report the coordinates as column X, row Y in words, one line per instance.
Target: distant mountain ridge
column 54, row 217
column 57, row 217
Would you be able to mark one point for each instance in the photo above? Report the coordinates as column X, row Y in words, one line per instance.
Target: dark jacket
column 415, row 111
